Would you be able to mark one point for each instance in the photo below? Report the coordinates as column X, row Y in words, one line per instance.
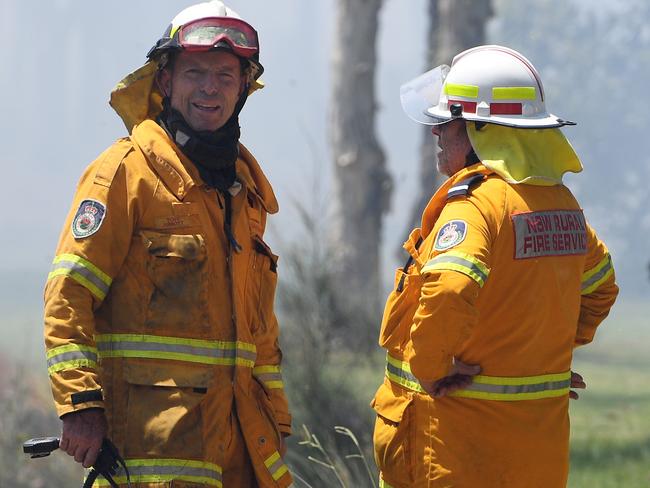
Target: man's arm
column 453, row 277
column 91, row 249
column 267, row 369
column 599, row 289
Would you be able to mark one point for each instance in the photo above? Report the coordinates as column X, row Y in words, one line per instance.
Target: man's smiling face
column 204, row 87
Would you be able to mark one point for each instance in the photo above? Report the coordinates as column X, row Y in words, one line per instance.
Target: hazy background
column 61, row 58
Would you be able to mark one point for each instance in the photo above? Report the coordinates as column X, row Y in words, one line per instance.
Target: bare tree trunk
column 454, row 25
column 362, row 183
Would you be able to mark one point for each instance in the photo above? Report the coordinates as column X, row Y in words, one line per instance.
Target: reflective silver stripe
column 165, row 470
column 396, row 372
column 152, row 346
column 276, row 466
column 160, row 347
column 506, row 389
column 490, row 387
column 593, row 278
column 270, row 375
column 83, row 272
column 71, row 356
column 458, row 187
column 460, row 262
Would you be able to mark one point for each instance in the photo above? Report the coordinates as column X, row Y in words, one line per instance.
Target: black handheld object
column 107, row 463
column 40, row 446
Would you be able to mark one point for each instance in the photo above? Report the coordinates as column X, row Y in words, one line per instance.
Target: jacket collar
column 179, row 174
column 251, row 175
column 439, row 199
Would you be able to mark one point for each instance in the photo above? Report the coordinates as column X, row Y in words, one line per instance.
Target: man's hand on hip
column 576, row 382
column 83, row 433
column 459, row 377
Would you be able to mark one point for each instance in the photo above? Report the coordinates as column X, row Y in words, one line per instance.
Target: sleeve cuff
column 62, row 410
column 285, row 429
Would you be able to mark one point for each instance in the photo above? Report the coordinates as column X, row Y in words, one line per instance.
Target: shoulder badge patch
column 450, row 235
column 88, row 219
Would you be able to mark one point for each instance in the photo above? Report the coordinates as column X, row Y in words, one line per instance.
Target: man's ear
column 164, row 80
column 242, row 84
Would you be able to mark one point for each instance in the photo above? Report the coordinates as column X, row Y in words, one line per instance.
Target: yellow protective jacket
column 155, row 315
column 509, row 277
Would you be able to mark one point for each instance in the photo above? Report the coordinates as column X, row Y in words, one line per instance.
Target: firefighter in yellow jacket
column 159, row 321
column 504, row 279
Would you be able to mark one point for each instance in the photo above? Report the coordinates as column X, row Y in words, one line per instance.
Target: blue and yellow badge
column 450, row 235
column 88, row 219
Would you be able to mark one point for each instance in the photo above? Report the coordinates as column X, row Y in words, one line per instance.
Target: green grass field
column 610, row 424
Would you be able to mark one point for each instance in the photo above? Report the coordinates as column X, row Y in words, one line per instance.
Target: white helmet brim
column 545, row 121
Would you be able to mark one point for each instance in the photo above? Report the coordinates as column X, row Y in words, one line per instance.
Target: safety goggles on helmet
column 205, row 34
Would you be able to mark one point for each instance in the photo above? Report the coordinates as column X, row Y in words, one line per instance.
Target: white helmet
column 210, row 25
column 491, row 84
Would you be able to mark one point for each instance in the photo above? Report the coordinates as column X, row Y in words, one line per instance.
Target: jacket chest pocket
column 177, row 267
column 261, row 283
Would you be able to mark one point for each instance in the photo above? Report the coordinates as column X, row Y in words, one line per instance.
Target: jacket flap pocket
column 186, row 246
column 156, row 374
column 390, row 405
column 262, row 247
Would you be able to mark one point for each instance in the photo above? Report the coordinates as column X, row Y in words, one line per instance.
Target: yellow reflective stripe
column 71, row 356
column 481, row 395
column 86, row 264
column 467, row 91
column 461, row 262
column 521, row 380
column 162, row 347
column 173, row 30
column 400, row 372
column 276, row 466
column 502, row 388
column 517, row 388
column 270, row 375
column 597, row 275
column 166, row 470
column 83, row 272
column 514, row 93
column 266, row 369
column 383, row 484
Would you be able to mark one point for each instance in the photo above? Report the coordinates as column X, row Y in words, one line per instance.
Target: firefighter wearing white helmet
column 504, row 279
column 159, row 321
